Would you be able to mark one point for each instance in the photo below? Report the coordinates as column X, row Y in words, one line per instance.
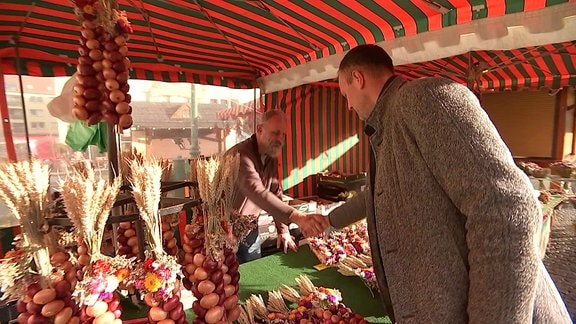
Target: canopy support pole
column 15, row 41
column 4, row 113
column 22, row 99
column 113, row 150
column 254, row 113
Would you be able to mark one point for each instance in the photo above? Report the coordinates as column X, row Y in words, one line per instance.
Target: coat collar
column 375, row 120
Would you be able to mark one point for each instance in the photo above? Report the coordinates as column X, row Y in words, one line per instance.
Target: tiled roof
column 163, row 115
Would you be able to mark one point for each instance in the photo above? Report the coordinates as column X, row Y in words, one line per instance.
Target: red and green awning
column 234, row 43
column 551, row 66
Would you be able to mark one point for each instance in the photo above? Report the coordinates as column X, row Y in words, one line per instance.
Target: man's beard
column 274, row 150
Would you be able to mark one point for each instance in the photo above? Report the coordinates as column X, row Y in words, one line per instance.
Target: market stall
column 210, row 270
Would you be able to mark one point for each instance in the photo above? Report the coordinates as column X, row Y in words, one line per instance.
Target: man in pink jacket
column 259, row 188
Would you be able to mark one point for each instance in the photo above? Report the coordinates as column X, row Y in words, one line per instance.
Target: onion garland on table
column 45, row 299
column 169, row 242
column 103, row 64
column 88, row 203
column 210, row 245
column 41, row 282
column 127, row 240
column 157, row 277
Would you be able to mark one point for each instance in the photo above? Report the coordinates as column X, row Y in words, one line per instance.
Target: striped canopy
column 278, row 44
column 534, row 67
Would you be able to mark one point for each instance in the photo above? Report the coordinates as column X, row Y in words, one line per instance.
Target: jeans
column 249, row 247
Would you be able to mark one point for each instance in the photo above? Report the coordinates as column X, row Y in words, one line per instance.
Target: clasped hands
column 310, row 224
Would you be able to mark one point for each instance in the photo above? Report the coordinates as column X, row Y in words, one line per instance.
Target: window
column 16, row 113
column 14, row 101
column 18, row 128
column 36, row 99
column 11, row 86
column 36, row 112
column 37, row 125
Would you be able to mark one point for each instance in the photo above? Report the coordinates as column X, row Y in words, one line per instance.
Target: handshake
column 310, row 224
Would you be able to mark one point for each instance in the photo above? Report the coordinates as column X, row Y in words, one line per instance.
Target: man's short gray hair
column 271, row 114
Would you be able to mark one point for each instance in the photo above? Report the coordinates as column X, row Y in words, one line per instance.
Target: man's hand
column 311, row 224
column 287, row 242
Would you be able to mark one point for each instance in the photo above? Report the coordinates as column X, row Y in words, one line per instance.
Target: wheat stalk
column 88, row 203
column 289, row 293
column 256, row 303
column 146, row 189
column 306, row 286
column 216, row 180
column 276, row 303
column 24, row 189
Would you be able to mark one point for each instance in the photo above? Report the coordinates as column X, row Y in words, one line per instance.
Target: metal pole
column 19, row 71
column 4, row 113
column 113, row 161
column 254, row 113
column 194, row 145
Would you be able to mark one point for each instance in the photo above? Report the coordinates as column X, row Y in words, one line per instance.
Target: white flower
column 111, row 284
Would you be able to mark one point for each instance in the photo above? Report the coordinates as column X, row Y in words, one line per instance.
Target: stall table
column 548, row 213
column 270, row 272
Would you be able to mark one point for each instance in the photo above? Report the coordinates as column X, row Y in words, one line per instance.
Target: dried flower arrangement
column 13, row 269
column 312, row 305
column 211, row 266
column 157, row 277
column 88, row 202
column 338, row 245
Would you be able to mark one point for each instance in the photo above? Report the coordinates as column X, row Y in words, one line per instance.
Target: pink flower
column 97, row 285
column 164, row 272
column 139, row 283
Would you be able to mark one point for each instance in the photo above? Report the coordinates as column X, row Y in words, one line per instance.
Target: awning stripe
column 309, row 26
column 495, row 8
column 308, row 149
column 407, row 21
column 434, row 18
column 271, row 37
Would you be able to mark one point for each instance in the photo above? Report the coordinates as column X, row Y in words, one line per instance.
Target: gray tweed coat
column 453, row 223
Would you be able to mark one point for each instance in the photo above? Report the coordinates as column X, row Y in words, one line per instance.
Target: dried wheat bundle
column 246, row 314
column 88, row 202
column 193, row 176
column 216, row 182
column 353, row 262
column 256, row 303
column 276, row 303
column 365, row 258
column 306, row 286
column 24, row 189
column 82, row 167
column 125, row 161
column 146, row 189
column 346, row 270
column 166, row 166
column 289, row 293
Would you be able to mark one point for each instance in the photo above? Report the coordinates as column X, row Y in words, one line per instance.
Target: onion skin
column 126, row 232
column 102, row 69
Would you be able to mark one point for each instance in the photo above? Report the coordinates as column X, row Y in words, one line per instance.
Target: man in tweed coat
column 453, row 223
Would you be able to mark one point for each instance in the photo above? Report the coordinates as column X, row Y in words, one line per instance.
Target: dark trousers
column 249, row 248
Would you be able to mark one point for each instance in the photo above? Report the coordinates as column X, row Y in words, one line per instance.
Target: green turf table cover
column 268, row 273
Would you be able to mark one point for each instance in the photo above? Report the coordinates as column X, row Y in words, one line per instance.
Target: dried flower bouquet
column 157, row 278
